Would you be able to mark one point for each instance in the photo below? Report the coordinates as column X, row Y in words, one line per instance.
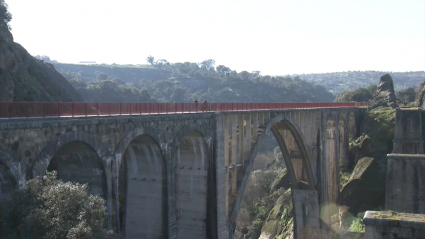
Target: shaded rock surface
column 24, row 78
column 384, row 96
column 282, row 180
column 365, row 188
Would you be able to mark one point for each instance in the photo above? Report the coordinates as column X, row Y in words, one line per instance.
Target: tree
column 223, row 70
column 100, row 76
column 162, row 62
column 5, row 15
column 207, row 65
column 151, row 60
column 49, row 208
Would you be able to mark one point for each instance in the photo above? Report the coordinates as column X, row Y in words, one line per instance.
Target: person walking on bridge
column 205, row 105
column 195, row 104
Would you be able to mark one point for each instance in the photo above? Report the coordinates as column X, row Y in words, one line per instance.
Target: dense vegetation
column 51, row 209
column 184, row 82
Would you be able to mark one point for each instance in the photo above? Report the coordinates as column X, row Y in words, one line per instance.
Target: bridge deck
column 72, row 109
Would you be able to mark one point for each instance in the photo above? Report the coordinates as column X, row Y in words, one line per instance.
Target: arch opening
column 142, row 190
column 288, row 165
column 193, row 187
column 78, row 162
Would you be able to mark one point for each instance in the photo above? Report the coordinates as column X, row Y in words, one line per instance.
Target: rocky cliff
column 24, row 78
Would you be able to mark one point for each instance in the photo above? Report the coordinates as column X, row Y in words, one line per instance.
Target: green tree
column 223, row 70
column 151, row 60
column 207, row 65
column 5, row 16
column 49, row 208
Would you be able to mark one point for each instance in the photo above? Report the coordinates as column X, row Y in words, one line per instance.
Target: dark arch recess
column 42, row 161
column 77, row 161
column 137, row 169
column 211, row 197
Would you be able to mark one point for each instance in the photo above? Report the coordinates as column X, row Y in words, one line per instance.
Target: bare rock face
column 420, row 97
column 384, row 96
column 24, row 78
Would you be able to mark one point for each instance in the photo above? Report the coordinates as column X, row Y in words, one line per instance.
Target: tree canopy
column 5, row 15
column 49, row 208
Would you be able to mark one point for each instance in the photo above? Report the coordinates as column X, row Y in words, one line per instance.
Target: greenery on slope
column 184, row 82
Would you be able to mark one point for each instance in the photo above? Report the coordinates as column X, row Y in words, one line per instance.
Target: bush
column 49, row 208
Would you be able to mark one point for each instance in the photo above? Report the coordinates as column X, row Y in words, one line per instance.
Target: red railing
column 34, row 109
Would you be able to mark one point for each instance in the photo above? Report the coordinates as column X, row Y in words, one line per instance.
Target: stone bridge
column 182, row 175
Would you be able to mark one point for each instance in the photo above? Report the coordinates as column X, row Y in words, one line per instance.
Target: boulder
column 384, row 96
column 279, row 221
column 365, row 188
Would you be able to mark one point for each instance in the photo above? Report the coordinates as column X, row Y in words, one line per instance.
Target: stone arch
column 275, row 125
column 194, row 189
column 141, row 186
column 43, row 159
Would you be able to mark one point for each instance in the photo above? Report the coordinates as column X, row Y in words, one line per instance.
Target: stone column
column 233, row 158
column 408, row 131
column 226, row 163
column 248, row 132
column 254, row 133
column 240, row 160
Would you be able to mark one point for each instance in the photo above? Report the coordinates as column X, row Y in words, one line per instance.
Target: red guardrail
column 67, row 109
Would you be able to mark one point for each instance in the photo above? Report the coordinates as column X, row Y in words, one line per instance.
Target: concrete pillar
column 408, row 131
column 254, row 133
column 261, row 120
column 306, row 209
column 248, row 131
column 405, row 183
column 233, row 158
column 226, row 162
column 240, row 140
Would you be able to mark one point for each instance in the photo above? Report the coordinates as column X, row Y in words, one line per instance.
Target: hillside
column 184, row 82
column 338, row 82
column 24, row 78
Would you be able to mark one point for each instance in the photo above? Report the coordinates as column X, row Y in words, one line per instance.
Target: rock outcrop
column 384, row 96
column 364, row 189
column 24, row 78
column 420, row 97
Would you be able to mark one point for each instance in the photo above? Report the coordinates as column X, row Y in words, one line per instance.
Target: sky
column 274, row 37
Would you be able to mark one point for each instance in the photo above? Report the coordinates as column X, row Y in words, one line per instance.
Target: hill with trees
column 338, row 82
column 184, row 82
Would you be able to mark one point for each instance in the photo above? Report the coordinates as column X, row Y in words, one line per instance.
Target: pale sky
column 274, row 37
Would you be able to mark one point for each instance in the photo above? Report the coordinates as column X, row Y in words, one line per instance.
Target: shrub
column 49, row 208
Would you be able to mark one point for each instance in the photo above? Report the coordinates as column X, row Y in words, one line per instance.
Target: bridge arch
column 141, row 185
column 305, row 180
column 194, row 189
column 85, row 165
column 43, row 159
